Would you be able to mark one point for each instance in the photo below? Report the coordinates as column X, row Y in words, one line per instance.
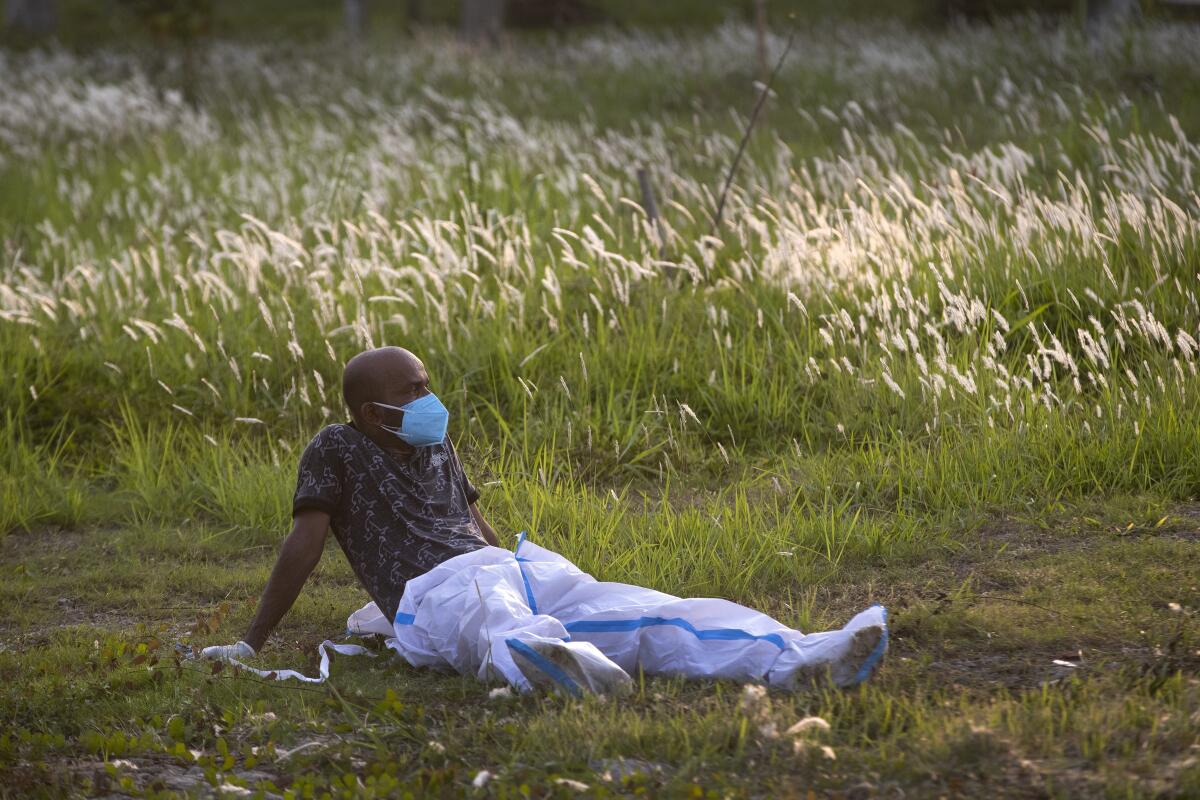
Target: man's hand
column 226, row 652
column 298, row 556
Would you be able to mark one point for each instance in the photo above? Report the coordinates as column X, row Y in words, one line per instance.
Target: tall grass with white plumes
column 955, row 274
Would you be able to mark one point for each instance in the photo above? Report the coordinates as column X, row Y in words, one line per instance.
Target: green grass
column 941, row 355
column 970, row 701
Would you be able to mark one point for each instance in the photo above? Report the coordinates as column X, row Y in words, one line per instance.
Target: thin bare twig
column 758, row 106
column 1021, row 602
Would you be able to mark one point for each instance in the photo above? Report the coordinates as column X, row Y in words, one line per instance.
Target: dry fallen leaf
column 578, row 786
column 808, row 727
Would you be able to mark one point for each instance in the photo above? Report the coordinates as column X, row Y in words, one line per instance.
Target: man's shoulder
column 337, row 435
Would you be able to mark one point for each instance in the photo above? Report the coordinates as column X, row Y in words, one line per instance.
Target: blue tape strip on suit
column 405, row 619
column 525, row 578
column 533, row 603
column 624, row 625
column 872, row 661
column 547, row 666
column 528, row 587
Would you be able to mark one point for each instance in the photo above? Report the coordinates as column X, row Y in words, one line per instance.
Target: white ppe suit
column 485, row 613
column 532, row 617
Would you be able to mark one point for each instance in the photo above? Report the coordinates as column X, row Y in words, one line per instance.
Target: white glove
column 227, row 652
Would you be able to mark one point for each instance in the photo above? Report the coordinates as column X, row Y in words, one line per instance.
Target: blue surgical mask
column 424, row 423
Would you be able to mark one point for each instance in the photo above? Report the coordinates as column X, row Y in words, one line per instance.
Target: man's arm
column 298, row 556
column 488, row 534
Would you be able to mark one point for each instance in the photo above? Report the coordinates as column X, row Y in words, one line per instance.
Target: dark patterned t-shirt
column 394, row 519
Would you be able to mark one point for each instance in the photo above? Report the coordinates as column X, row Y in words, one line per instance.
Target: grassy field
column 941, row 354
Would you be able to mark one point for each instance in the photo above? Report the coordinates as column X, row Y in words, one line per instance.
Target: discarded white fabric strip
column 322, row 649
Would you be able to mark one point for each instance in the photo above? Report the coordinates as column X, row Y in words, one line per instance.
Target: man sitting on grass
column 391, row 487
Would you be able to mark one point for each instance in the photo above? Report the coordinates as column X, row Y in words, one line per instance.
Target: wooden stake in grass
column 758, row 106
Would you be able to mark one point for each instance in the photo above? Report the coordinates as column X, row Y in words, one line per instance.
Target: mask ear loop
column 393, row 429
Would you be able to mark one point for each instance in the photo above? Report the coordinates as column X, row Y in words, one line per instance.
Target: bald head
column 390, row 375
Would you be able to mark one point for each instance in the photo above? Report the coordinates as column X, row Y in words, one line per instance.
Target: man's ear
column 369, row 412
